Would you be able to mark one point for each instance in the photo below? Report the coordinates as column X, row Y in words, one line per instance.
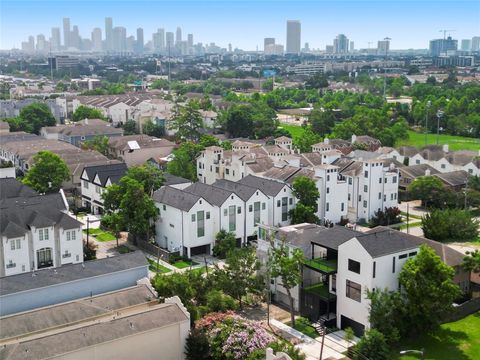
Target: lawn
column 153, row 266
column 295, row 131
column 459, row 340
column 303, row 325
column 454, row 142
column 181, row 264
column 101, row 235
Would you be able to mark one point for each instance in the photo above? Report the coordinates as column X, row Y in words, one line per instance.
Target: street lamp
column 439, row 116
column 421, row 352
column 429, row 103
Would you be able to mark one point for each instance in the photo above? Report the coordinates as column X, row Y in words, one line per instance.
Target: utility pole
column 427, row 107
column 439, row 115
column 323, row 330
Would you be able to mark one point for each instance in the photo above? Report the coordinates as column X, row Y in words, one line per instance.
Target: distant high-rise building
column 140, row 42
column 230, row 48
column 119, row 39
column 383, row 46
column 273, row 49
column 190, row 40
column 55, row 39
column 329, row 49
column 161, row 34
column 442, row 46
column 307, row 47
column 340, row 44
column 178, row 36
column 66, row 32
column 130, row 44
column 41, row 45
column 158, row 41
column 466, row 45
column 108, row 34
column 294, row 36
column 75, row 39
column 169, row 41
column 268, row 41
column 97, row 39
column 352, row 46
column 475, row 43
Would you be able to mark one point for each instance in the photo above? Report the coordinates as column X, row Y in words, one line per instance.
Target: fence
column 153, row 249
column 462, row 310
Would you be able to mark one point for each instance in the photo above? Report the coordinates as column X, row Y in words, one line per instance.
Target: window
column 393, row 264
column 349, row 197
column 365, row 174
column 385, row 197
column 379, row 180
column 386, row 180
column 216, row 169
column 231, row 218
column 290, row 201
column 250, row 208
column 164, row 207
column 334, row 283
column 364, row 203
column 412, row 254
column 328, row 190
column 193, row 217
column 225, row 212
column 342, row 207
column 77, row 258
column 200, row 224
column 227, row 171
column 12, row 245
column 443, row 166
column 284, row 209
column 68, row 236
column 354, row 266
column 365, row 188
column 327, row 206
column 256, row 212
column 85, row 184
column 278, row 203
column 98, row 190
column 239, row 210
column 379, row 195
column 403, row 256
column 264, row 206
column 374, row 268
column 394, row 180
column 417, row 162
column 349, row 181
column 208, row 215
column 354, row 291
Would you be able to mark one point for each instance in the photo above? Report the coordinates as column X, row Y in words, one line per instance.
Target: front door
column 44, row 258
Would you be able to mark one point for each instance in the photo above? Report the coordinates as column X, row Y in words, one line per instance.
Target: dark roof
column 383, row 241
column 114, row 172
column 454, row 178
column 281, row 173
column 10, row 188
column 70, row 272
column 268, row 187
column 415, row 171
column 19, row 214
column 244, row 192
column 332, row 238
column 214, row 195
column 174, row 180
column 176, row 198
column 407, row 151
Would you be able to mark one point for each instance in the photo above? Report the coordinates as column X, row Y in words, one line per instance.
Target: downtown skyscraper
column 294, row 37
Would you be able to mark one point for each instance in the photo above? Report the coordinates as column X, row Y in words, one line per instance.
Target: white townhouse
column 36, row 231
column 372, row 186
column 185, row 222
column 281, row 199
column 95, row 179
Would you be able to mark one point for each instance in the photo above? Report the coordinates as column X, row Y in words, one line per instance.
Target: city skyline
column 262, row 19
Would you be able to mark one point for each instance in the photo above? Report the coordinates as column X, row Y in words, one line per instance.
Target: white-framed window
column 85, row 184
column 68, row 236
column 98, row 189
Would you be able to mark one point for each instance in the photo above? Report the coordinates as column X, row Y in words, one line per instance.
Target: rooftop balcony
column 320, row 290
column 321, row 264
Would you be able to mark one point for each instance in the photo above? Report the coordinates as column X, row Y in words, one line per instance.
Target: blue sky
column 245, row 23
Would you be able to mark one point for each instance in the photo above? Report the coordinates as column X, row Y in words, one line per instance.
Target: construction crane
column 445, row 32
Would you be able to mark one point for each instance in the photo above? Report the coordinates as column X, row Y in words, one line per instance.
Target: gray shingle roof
column 174, row 180
column 415, row 171
column 454, row 178
column 176, row 198
column 114, row 172
column 11, row 188
column 383, row 241
column 268, row 187
column 332, row 238
column 214, row 195
column 244, row 192
column 70, row 272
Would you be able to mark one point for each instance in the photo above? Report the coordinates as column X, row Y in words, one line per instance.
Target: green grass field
column 303, row 325
column 454, row 142
column 459, row 340
column 157, row 268
column 294, row 130
column 101, row 235
column 183, row 264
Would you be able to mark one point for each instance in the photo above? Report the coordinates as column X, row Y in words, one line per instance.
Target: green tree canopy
column 224, row 243
column 427, row 189
column 98, row 143
column 86, row 112
column 450, row 225
column 130, row 127
column 322, row 122
column 48, row 172
column 372, row 346
column 187, row 122
column 184, row 163
column 305, row 142
column 32, row 118
column 305, row 190
column 471, row 262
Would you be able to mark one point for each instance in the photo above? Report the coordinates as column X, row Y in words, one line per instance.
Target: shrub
column 224, row 242
column 218, row 301
column 372, row 346
column 197, row 347
column 389, row 216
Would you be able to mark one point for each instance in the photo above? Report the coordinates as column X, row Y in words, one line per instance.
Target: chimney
column 354, row 138
column 86, row 121
column 327, row 141
column 445, row 148
column 427, row 172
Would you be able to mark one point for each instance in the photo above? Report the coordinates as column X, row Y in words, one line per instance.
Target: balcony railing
column 320, row 290
column 323, row 265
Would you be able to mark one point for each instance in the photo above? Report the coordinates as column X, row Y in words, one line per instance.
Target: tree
column 187, row 123
column 427, row 283
column 85, row 112
column 322, row 122
column 389, row 216
column 303, row 214
column 48, row 172
column 238, row 277
column 152, row 129
column 224, row 243
column 372, row 346
column 450, row 225
column 184, row 163
column 130, row 127
column 304, row 143
column 471, row 262
column 135, row 209
column 317, row 81
column 305, row 190
column 197, row 346
column 36, row 116
column 287, row 266
column 98, row 143
column 426, row 188
column 148, row 175
column 237, row 120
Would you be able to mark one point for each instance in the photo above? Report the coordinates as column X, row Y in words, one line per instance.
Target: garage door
column 357, row 328
column 199, row 250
